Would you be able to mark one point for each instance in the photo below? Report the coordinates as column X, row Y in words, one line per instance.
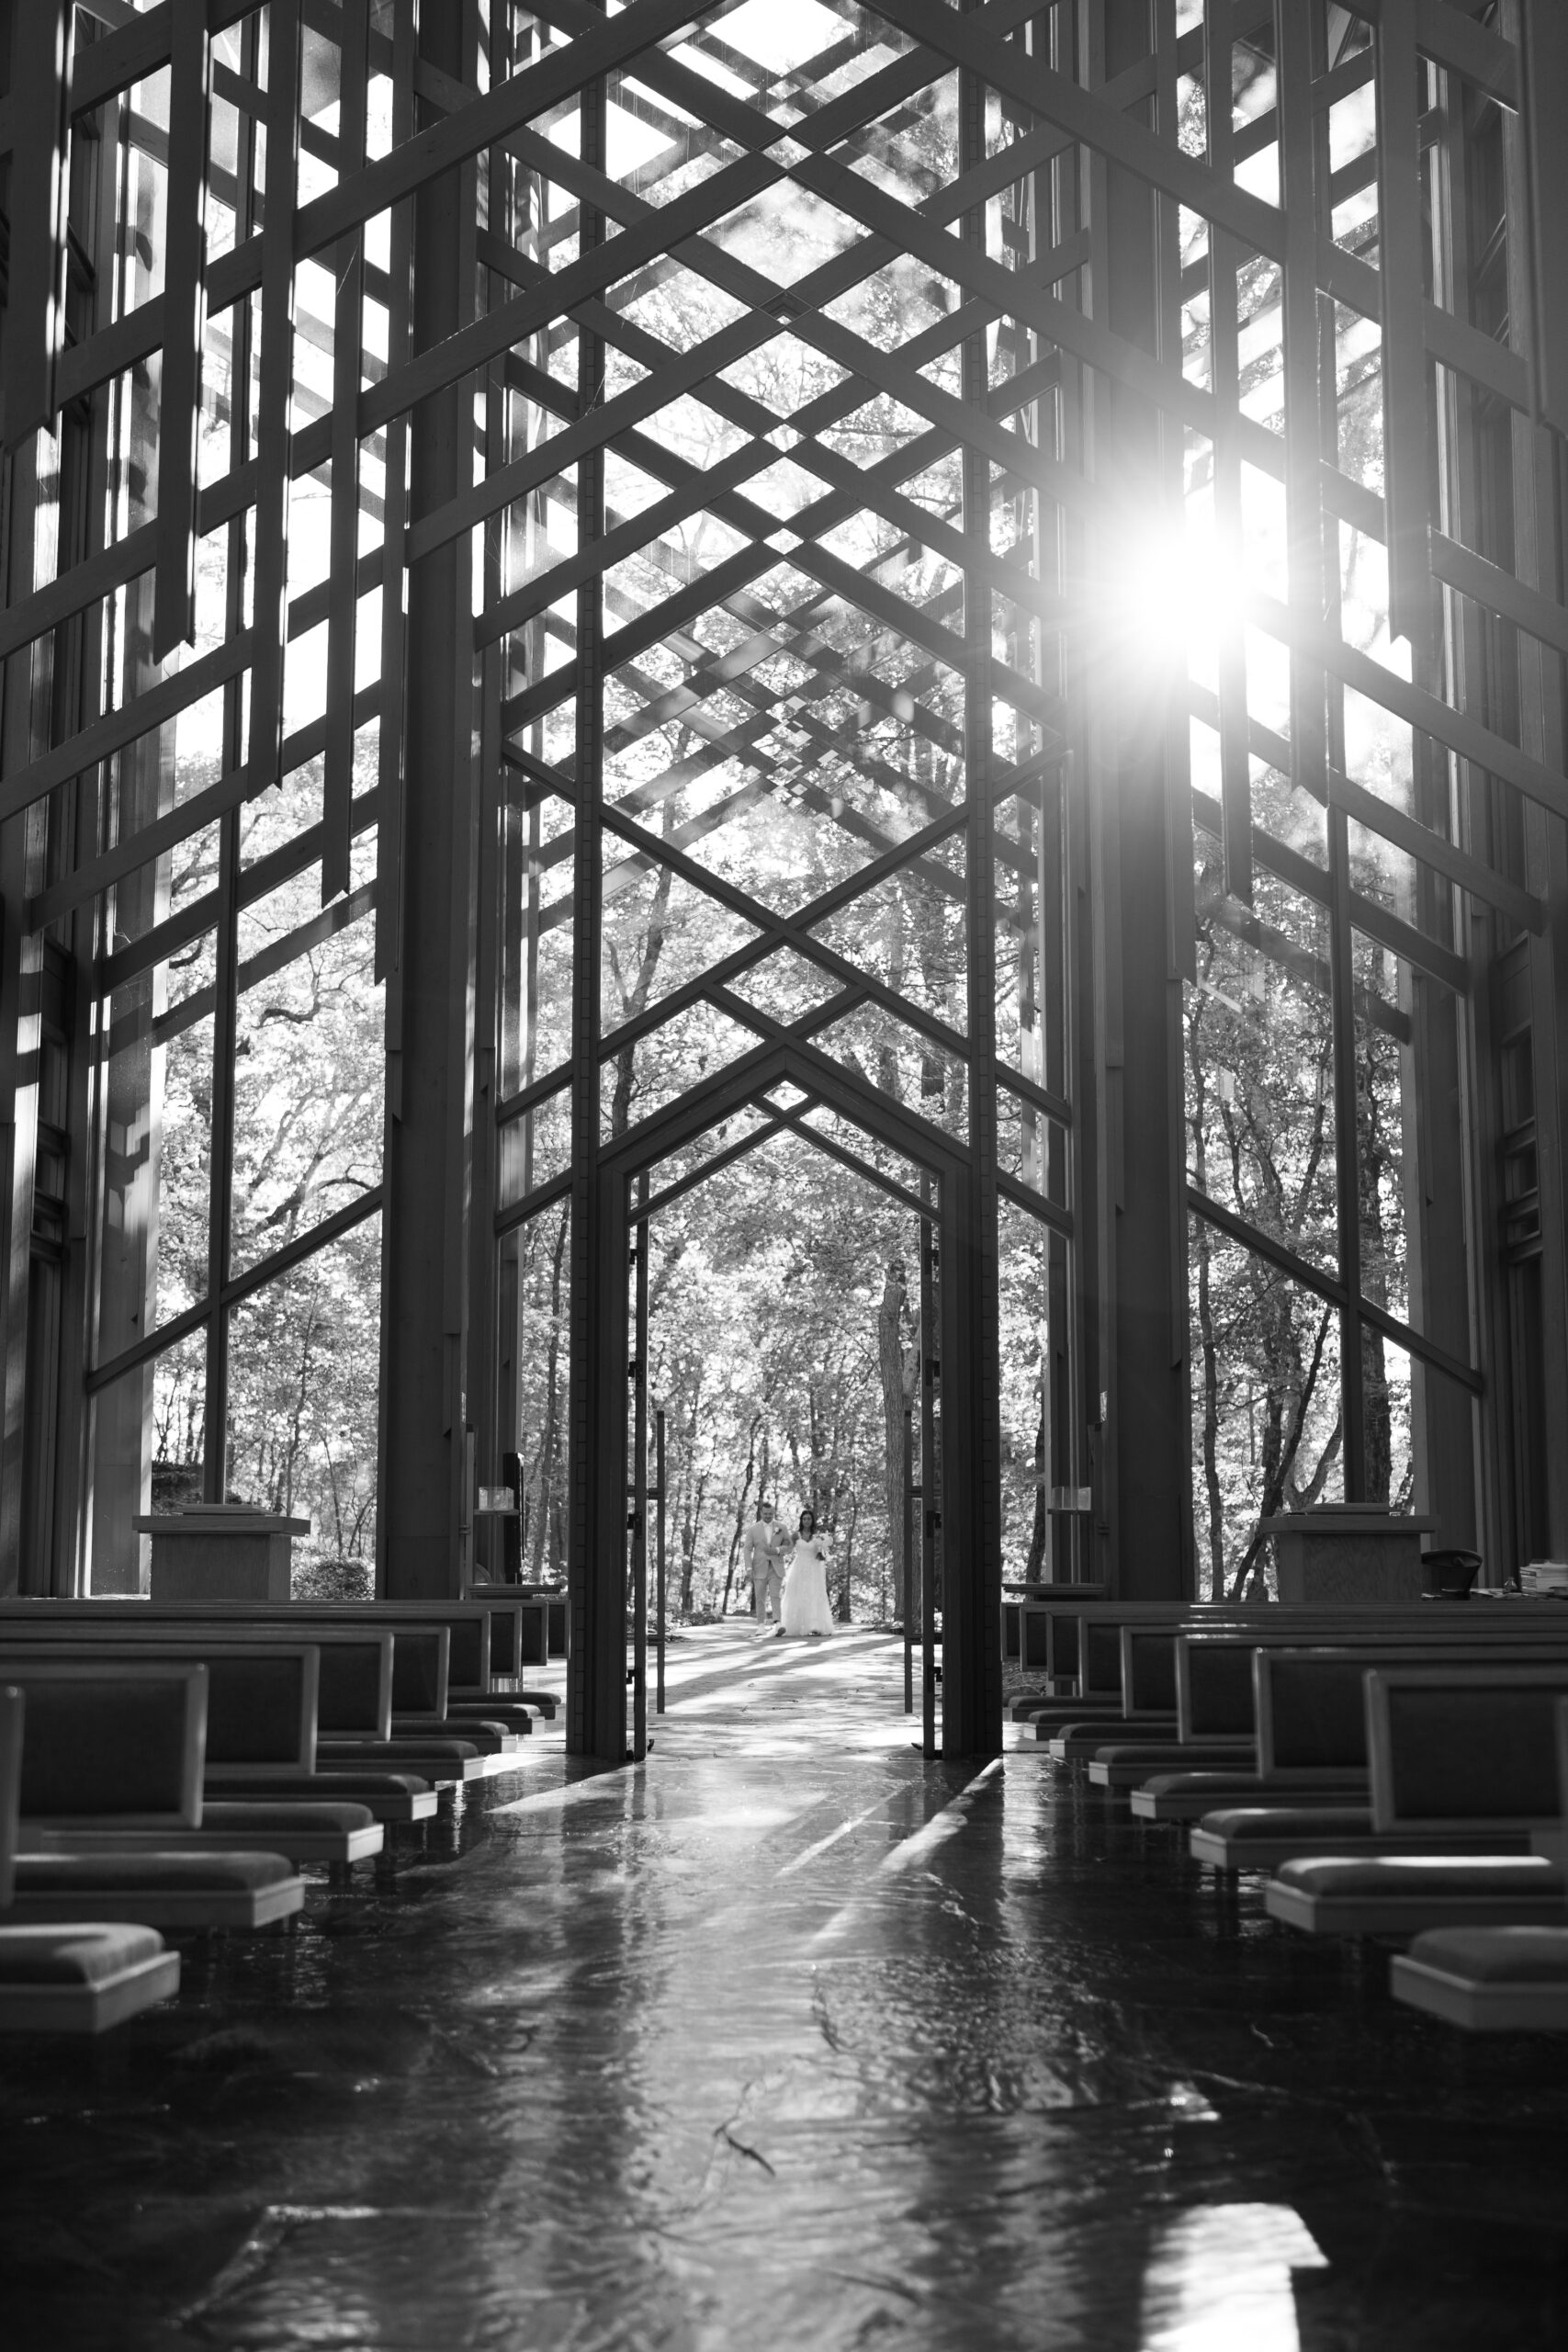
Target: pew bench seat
column 1260, row 1838
column 83, row 1979
column 1405, row 1895
column 1188, row 1796
column 155, row 1890
column 507, row 1715
column 443, row 1762
column 1127, row 1764
column 385, row 1797
column 1487, row 1979
column 308, row 1831
column 491, row 1738
column 1076, row 1742
column 1068, row 1710
column 538, row 1702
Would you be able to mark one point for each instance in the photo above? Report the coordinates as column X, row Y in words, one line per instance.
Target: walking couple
column 799, row 1586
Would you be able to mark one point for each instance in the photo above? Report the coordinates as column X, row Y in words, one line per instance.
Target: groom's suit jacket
column 760, row 1557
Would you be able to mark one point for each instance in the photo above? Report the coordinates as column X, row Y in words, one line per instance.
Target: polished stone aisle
column 788, row 2039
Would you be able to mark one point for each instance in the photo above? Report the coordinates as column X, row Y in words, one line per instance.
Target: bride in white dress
column 804, row 1605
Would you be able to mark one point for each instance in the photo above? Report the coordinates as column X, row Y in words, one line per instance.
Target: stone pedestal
column 1348, row 1552
column 221, row 1552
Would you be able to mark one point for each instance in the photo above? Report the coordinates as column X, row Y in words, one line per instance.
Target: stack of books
column 1544, row 1575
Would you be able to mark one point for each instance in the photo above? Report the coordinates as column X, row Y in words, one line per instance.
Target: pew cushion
column 81, row 1979
column 305, row 1831
column 81, row 1955
column 1289, row 1820
column 385, row 1797
column 1261, row 1836
column 1487, row 1979
column 310, row 1814
column 1497, row 1955
column 1405, row 1894
column 158, row 1890
column 1188, row 1796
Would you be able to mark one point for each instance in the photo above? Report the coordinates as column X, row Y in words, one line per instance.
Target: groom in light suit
column 760, row 1555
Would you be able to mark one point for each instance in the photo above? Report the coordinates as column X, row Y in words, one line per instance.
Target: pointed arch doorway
column 609, row 1197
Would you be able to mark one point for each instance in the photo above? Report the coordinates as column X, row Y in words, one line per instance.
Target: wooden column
column 596, row 1698
column 422, row 1500
column 1144, row 884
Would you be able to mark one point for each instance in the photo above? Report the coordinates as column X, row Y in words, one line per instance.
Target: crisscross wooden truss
column 808, row 372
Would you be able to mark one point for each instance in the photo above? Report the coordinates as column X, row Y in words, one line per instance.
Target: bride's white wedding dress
column 804, row 1607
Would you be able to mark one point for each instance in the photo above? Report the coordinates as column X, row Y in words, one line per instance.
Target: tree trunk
column 1211, row 1419
column 634, row 999
column 842, row 1612
column 689, row 1555
column 740, row 1516
column 1036, row 1559
column 547, row 1438
column 1280, row 1453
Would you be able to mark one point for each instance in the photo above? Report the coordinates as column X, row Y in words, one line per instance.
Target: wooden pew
column 540, row 1621
column 1022, row 1595
column 423, row 1739
column 118, row 1748
column 1126, row 1669
column 354, row 1702
column 1488, row 1980
column 420, row 1665
column 1312, row 1757
column 1086, row 1638
column 1150, row 1659
column 1216, row 1695
column 261, row 1723
column 555, row 1623
column 81, row 1979
column 1054, row 1631
column 1214, row 1711
column 1149, row 1679
column 1457, row 1751
column 464, row 1707
column 1117, row 1682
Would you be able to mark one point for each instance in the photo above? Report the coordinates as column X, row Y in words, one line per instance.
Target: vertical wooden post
column 638, row 1489
column 424, row 1502
column 658, row 1493
column 596, row 1684
column 225, row 1026
column 185, row 319
column 907, row 1564
column 932, row 1486
column 971, row 1599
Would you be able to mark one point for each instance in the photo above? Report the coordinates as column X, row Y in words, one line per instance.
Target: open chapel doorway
column 785, row 1356
column 779, row 1091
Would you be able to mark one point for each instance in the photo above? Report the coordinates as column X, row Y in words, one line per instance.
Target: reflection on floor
column 788, row 2039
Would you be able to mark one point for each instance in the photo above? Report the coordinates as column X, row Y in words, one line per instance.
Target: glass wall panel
column 543, row 1359
column 179, row 1397
column 638, row 1080
column 154, row 1092
column 1266, row 1418
column 1384, row 1076
column 1032, row 1549
column 1260, row 1054
column 535, row 1147
column 145, row 1435
column 1032, row 1146
column 307, row 1086
column 304, row 1365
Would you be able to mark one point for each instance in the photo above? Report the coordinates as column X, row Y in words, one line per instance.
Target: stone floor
column 786, row 2039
